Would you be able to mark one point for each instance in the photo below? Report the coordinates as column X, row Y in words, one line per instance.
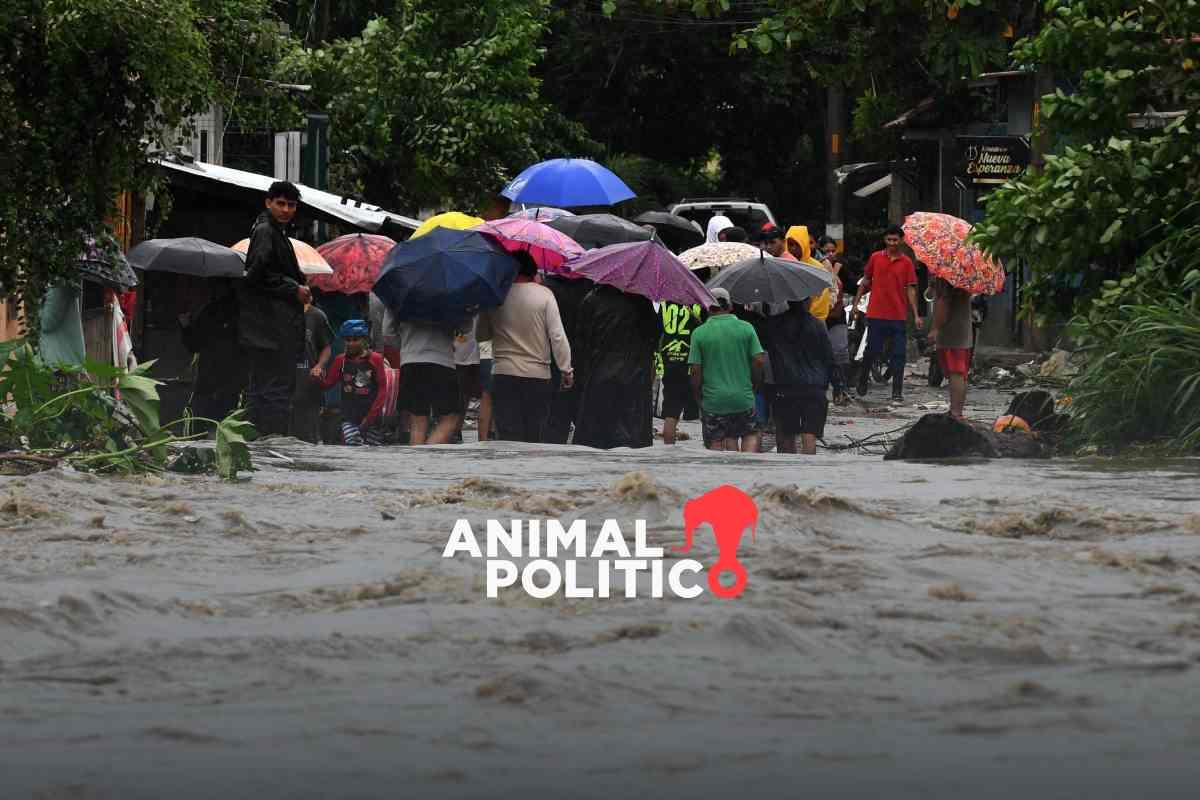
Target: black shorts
column 799, row 409
column 716, row 427
column 676, row 391
column 426, row 388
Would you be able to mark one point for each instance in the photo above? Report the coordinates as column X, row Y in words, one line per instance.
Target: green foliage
column 435, row 103
column 657, row 185
column 86, row 88
column 72, row 413
column 1110, row 191
column 232, row 452
column 1141, row 382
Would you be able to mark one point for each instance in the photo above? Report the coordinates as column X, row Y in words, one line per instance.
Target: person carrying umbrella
column 726, row 364
column 801, row 363
column 618, row 334
column 525, row 331
column 271, row 312
column 429, row 381
column 569, row 293
column 891, row 279
column 951, row 332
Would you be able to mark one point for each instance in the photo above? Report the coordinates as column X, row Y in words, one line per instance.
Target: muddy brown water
column 908, row 630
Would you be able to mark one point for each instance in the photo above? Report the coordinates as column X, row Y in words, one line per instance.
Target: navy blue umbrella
column 445, row 276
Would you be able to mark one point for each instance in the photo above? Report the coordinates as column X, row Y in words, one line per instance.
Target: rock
column 1057, row 365
column 942, row 436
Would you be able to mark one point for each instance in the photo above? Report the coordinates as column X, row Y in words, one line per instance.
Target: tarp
column 323, row 205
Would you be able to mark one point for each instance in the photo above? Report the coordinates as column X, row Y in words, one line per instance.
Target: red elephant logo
column 728, row 511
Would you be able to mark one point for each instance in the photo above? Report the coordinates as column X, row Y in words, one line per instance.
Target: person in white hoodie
column 716, row 224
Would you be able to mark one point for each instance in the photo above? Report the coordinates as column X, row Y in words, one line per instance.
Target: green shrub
column 1141, row 381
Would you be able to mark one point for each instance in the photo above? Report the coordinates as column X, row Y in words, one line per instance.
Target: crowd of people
column 565, row 359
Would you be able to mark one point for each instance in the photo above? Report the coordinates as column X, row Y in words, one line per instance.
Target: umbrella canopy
column 940, row 242
column 108, row 267
column 356, row 259
column 549, row 248
column 568, row 182
column 445, row 276
column 600, row 230
column 454, row 220
column 677, row 233
column 541, row 213
column 188, row 256
column 311, row 262
column 765, row 279
column 645, row 268
column 716, row 256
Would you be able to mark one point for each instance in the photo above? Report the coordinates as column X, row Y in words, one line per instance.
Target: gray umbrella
column 188, row 256
column 599, row 230
column 771, row 280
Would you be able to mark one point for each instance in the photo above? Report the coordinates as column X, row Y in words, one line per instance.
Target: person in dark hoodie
column 212, row 334
column 618, row 334
column 271, row 312
column 802, row 361
column 569, row 294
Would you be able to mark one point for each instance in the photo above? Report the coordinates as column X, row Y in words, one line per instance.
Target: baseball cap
column 722, row 297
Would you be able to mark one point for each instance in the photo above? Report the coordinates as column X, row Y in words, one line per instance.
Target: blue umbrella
column 445, row 276
column 566, row 182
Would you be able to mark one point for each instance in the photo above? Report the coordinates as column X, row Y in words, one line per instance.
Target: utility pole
column 835, row 143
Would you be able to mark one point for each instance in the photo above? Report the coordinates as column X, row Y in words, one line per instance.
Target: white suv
column 748, row 215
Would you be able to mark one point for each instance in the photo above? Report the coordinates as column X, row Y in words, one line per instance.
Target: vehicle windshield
column 750, row 220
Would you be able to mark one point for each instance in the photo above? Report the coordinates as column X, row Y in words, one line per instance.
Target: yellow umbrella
column 454, row 220
column 311, row 262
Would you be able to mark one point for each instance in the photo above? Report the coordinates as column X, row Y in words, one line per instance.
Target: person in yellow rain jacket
column 799, row 244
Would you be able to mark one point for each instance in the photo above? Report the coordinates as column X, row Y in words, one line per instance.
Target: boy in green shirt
column 726, row 367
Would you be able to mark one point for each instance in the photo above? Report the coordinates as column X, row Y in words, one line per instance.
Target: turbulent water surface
column 908, row 630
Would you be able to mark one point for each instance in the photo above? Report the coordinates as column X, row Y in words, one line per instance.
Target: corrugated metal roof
column 343, row 209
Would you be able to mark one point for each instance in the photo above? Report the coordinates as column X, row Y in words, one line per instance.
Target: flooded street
column 982, row 629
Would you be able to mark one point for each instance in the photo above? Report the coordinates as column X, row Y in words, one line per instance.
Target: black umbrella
column 677, row 233
column 599, row 230
column 771, row 280
column 106, row 265
column 188, row 256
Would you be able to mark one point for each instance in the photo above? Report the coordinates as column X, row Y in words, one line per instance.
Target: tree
column 435, row 103
column 87, row 88
column 1110, row 190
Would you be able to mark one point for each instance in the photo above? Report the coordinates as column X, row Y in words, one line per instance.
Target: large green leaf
column 232, row 452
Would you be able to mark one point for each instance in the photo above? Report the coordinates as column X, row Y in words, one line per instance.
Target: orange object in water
column 1011, row 422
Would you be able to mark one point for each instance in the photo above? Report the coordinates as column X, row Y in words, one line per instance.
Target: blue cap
column 355, row 327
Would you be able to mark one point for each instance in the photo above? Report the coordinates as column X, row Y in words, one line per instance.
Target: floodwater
column 977, row 629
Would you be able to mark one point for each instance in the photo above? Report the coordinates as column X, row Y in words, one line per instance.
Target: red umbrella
column 940, row 241
column 356, row 260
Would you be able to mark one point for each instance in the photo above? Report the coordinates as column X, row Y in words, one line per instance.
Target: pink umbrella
column 549, row 248
column 645, row 268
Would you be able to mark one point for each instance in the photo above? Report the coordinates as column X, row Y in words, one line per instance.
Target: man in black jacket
column 271, row 312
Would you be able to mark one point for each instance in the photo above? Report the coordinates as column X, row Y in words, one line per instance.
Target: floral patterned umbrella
column 549, row 248
column 940, row 242
column 715, row 256
column 356, row 259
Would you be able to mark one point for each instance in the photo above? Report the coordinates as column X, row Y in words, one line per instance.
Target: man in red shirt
column 891, row 279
